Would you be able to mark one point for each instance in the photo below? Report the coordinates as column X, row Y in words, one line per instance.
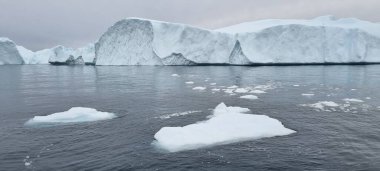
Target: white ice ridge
column 75, row 114
column 135, row 41
column 226, row 125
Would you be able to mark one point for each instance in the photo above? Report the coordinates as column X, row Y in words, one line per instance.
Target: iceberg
column 226, row 125
column 323, row 40
column 9, row 53
column 74, row 115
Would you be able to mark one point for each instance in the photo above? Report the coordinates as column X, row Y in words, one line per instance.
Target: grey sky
column 38, row 24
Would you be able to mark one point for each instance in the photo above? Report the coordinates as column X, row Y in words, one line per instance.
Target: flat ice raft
column 226, row 125
column 75, row 114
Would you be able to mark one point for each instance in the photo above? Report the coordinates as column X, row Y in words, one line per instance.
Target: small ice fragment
column 215, row 89
column 212, row 83
column 232, row 87
column 168, row 116
column 258, row 91
column 296, row 85
column 353, row 100
column 229, row 91
column 353, row 89
column 199, row 88
column 321, row 105
column 175, row 75
column 307, row 94
column 368, row 98
column 241, row 90
column 250, row 97
column 189, row 82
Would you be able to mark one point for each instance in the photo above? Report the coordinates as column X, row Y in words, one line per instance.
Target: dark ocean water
column 343, row 138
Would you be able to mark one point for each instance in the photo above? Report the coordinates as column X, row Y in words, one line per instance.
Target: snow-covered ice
column 189, row 82
column 75, row 114
column 250, row 97
column 307, row 94
column 226, row 125
column 175, row 75
column 215, row 89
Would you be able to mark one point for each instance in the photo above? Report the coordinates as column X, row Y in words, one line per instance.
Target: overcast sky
column 38, row 24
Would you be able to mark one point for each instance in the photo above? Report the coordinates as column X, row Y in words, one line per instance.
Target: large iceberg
column 74, row 115
column 226, row 125
column 323, row 40
column 9, row 53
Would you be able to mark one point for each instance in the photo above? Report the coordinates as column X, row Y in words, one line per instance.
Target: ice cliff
column 135, row 41
column 9, row 53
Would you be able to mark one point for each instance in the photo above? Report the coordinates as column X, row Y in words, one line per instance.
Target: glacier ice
column 9, row 53
column 75, row 114
column 135, row 41
column 226, row 125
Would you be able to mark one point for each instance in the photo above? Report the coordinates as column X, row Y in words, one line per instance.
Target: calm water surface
column 343, row 138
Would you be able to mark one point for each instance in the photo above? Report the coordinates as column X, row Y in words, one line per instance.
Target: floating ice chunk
column 250, row 97
column 189, row 82
column 229, row 91
column 212, row 83
column 368, row 98
column 322, row 105
column 168, row 116
column 199, row 88
column 307, row 94
column 215, row 89
column 175, row 75
column 353, row 100
column 241, row 90
column 75, row 114
column 226, row 125
column 258, row 91
column 296, row 85
column 233, row 87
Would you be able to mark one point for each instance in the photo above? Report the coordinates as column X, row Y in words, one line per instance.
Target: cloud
column 38, row 24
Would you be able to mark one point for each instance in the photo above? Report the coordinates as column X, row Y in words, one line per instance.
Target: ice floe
column 307, row 94
column 226, row 125
column 189, row 82
column 258, row 92
column 175, row 75
column 75, row 114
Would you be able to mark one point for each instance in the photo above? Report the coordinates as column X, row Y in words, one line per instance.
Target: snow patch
column 226, row 125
